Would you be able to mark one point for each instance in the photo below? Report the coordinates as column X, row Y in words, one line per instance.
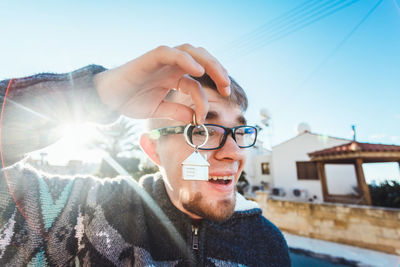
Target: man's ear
column 149, row 147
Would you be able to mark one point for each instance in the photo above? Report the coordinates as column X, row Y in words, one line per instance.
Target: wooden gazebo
column 355, row 153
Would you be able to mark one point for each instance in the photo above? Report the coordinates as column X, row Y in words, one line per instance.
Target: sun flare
column 76, row 143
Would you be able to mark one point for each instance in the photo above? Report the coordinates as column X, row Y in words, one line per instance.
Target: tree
column 242, row 183
column 119, row 140
column 386, row 194
column 143, row 170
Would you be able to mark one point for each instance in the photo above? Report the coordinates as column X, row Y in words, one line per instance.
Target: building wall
column 363, row 226
column 285, row 155
column 259, row 177
column 256, row 156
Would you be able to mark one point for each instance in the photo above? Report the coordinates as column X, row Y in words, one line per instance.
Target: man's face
column 211, row 199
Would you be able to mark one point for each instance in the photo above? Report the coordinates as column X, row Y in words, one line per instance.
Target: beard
column 215, row 211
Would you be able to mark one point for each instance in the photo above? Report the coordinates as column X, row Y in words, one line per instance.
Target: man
column 165, row 221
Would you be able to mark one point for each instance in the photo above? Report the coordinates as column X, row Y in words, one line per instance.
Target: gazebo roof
column 368, row 151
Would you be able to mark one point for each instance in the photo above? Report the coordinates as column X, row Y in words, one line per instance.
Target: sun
column 79, row 134
column 76, row 143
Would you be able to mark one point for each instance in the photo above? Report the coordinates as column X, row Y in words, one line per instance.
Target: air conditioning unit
column 278, row 192
column 299, row 193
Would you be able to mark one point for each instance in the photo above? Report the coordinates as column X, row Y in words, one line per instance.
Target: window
column 341, row 179
column 265, row 168
column 307, row 170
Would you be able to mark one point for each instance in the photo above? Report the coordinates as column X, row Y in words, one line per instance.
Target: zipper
column 197, row 250
column 195, row 237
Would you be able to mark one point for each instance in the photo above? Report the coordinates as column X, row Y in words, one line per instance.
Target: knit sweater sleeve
column 38, row 216
column 34, row 108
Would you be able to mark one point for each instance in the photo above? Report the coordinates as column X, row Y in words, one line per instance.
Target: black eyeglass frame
column 180, row 130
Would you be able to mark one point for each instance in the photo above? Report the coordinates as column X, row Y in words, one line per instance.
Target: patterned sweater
column 50, row 220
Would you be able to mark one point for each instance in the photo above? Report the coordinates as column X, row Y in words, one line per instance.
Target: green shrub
column 386, row 194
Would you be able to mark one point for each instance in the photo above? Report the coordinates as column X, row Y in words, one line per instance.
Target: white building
column 318, row 168
column 289, row 157
column 258, row 166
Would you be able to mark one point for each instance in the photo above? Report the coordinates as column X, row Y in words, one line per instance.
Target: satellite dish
column 265, row 117
column 264, row 113
column 303, row 127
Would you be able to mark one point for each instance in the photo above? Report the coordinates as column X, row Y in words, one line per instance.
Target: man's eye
column 240, row 132
column 211, row 132
column 200, row 133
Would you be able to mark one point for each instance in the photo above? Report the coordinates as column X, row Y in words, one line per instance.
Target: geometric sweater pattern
column 50, row 220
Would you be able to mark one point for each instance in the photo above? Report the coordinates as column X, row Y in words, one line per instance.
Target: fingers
column 192, row 87
column 211, row 65
column 162, row 68
column 193, row 61
column 170, row 56
column 173, row 111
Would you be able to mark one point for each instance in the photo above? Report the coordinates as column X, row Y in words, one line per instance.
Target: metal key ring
column 185, row 133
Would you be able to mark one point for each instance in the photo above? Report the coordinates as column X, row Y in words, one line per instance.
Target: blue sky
column 306, row 76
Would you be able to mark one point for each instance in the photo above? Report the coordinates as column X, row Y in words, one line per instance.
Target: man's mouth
column 223, row 180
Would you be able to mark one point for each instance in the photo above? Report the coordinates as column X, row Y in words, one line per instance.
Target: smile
column 223, row 180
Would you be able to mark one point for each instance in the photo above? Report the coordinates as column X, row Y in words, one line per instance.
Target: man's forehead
column 228, row 119
column 221, row 109
column 213, row 115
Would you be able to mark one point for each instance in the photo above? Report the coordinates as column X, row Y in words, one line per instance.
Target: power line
column 341, row 43
column 304, row 23
column 269, row 24
column 286, row 24
column 291, row 21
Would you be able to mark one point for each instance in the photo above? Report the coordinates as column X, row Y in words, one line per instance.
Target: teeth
column 221, row 177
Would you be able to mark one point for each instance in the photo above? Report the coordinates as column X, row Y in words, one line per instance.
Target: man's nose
column 230, row 150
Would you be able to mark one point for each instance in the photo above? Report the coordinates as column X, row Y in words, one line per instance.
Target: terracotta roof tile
column 355, row 146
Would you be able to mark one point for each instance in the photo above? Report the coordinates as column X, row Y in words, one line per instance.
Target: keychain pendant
column 195, row 167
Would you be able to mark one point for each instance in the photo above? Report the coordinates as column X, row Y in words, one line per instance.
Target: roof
column 310, row 133
column 354, row 147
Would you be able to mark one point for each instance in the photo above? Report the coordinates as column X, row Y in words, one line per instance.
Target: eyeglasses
column 244, row 136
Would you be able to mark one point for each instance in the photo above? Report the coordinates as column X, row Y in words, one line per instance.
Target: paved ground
column 365, row 257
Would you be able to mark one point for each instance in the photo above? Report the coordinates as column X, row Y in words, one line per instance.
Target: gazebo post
column 361, row 181
column 322, row 178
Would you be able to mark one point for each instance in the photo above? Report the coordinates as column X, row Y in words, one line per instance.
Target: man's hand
column 137, row 88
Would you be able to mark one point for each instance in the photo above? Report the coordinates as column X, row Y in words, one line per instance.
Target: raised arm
column 34, row 107
column 137, row 88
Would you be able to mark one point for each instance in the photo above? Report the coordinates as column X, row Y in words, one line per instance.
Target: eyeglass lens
column 244, row 136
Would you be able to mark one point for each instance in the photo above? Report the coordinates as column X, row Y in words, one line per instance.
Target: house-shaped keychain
column 195, row 167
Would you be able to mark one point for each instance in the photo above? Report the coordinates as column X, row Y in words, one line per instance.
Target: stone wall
column 363, row 226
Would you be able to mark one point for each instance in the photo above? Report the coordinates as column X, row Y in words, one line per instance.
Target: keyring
column 185, row 133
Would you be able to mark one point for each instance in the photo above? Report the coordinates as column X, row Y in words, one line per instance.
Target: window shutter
column 307, row 170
